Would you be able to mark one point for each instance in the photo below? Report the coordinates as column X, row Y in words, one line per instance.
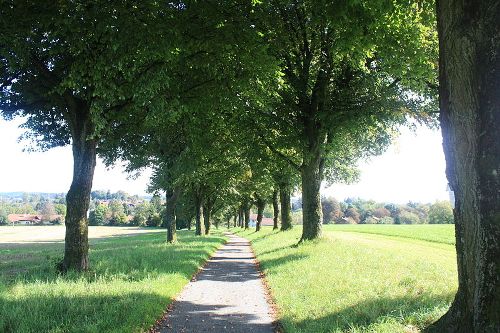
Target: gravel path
column 227, row 296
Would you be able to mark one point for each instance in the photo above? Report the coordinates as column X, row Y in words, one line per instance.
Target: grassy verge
column 437, row 233
column 131, row 282
column 356, row 282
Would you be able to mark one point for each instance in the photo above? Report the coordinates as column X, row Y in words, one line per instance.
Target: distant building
column 31, row 219
column 266, row 221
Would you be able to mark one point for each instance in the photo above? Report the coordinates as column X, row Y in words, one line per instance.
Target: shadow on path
column 227, row 296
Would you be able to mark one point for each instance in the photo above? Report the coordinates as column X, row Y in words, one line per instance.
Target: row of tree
column 232, row 102
column 354, row 211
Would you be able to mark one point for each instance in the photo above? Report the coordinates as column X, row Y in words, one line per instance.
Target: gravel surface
column 227, row 296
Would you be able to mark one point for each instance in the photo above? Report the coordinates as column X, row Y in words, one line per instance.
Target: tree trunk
column 312, row 215
column 170, row 218
column 76, row 246
column 247, row 216
column 276, row 209
column 207, row 216
column 261, row 205
column 234, row 220
column 240, row 218
column 469, row 38
column 199, row 228
column 286, row 211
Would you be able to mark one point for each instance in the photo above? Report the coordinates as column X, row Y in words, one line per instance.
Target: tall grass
column 356, row 282
column 131, row 282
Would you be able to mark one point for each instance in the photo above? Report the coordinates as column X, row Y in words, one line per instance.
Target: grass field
column 132, row 280
column 359, row 278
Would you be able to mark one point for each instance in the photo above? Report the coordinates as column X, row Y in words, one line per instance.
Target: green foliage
column 352, row 213
column 406, row 217
column 98, row 215
column 3, row 217
column 386, row 220
column 377, row 274
column 331, row 210
column 133, row 280
column 441, row 212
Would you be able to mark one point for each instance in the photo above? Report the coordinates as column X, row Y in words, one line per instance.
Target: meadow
column 131, row 282
column 359, row 278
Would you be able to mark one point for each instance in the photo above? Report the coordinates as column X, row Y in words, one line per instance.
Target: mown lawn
column 389, row 280
column 132, row 280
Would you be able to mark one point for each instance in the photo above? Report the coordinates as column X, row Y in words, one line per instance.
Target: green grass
column 438, row 233
column 132, row 280
column 358, row 282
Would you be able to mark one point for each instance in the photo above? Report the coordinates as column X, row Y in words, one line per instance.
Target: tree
column 346, row 85
column 47, row 210
column 72, row 72
column 98, row 215
column 440, row 212
column 469, row 78
column 3, row 217
column 331, row 209
column 352, row 213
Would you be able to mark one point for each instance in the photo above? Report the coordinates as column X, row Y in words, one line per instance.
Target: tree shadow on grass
column 401, row 310
column 269, row 264
column 126, row 312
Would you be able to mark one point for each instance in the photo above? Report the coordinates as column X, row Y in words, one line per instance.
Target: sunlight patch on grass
column 131, row 282
column 356, row 282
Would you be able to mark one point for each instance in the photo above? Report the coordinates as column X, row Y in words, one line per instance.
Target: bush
column 441, row 213
column 353, row 214
column 331, row 209
column 345, row 220
column 154, row 220
column 408, row 218
column 371, row 220
column 386, row 220
column 138, row 220
column 119, row 219
column 3, row 218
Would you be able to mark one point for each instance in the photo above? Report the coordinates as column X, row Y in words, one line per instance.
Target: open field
column 396, row 279
column 39, row 234
column 131, row 281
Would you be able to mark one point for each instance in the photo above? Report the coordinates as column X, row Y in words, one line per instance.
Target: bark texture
column 76, row 246
column 240, row 217
column 276, row 209
column 312, row 214
column 286, row 209
column 261, row 205
column 199, row 226
column 469, row 38
column 247, row 216
column 170, row 217
column 207, row 216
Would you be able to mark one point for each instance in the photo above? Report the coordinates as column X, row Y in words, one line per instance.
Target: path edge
column 155, row 328
column 268, row 294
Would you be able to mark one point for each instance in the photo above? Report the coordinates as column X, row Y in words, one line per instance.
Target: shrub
column 345, row 220
column 381, row 212
column 386, row 220
column 3, row 218
column 441, row 213
column 154, row 220
column 408, row 218
column 138, row 220
column 371, row 220
column 331, row 209
column 353, row 214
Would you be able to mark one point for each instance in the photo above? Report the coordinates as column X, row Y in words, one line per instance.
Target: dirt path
column 227, row 296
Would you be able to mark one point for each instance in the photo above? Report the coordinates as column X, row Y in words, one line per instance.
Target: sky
column 412, row 169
